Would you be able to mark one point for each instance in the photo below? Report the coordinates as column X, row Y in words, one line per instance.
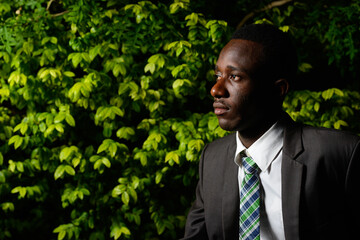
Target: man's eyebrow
column 232, row 68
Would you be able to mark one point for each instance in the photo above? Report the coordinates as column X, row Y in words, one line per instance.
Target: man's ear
column 282, row 86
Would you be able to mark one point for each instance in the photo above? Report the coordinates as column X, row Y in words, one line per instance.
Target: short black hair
column 279, row 54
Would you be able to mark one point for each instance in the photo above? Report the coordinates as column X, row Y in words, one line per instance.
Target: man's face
column 240, row 101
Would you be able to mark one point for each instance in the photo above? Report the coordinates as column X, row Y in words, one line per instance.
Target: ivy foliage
column 98, row 138
column 104, row 113
column 332, row 108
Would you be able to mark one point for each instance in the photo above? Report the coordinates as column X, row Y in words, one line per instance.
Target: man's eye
column 234, row 77
column 217, row 76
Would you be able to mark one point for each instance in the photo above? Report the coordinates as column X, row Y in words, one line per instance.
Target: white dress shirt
column 267, row 153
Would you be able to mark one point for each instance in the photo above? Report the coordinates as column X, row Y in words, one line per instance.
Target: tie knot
column 249, row 165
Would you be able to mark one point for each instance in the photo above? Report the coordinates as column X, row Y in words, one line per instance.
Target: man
column 303, row 182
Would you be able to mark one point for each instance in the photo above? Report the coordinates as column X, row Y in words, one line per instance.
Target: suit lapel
column 230, row 200
column 291, row 177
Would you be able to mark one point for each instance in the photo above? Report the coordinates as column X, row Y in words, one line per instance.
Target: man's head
column 279, row 59
column 253, row 73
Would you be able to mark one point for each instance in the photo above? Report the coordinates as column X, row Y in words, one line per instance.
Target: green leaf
column 17, row 127
column 20, row 166
column 85, row 191
column 117, row 231
column 142, row 156
column 117, row 111
column 172, row 156
column 13, row 139
column 317, row 107
column 59, row 171
column 49, row 119
column 69, row 170
column 125, row 198
column 118, row 190
column 123, row 87
column 2, row 177
column 20, row 190
column 125, row 230
column 69, row 74
column 98, row 163
column 42, row 127
column 59, row 128
column 125, row 133
column 104, row 146
column 65, row 154
column 49, row 130
column 18, row 142
column 75, row 58
column 93, row 52
column 28, row 47
column 8, row 206
column 132, row 193
column 112, row 149
column 196, row 144
column 61, row 235
column 327, row 94
column 339, row 123
column 106, row 162
column 150, row 67
column 86, row 57
column 213, row 123
column 70, row 120
column 179, row 51
column 158, row 177
column 338, row 92
column 178, row 83
column 76, row 161
column 153, row 106
column 12, row 166
column 59, row 117
column 305, row 67
column 119, row 68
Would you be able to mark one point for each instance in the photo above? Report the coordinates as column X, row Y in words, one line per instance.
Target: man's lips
column 220, row 108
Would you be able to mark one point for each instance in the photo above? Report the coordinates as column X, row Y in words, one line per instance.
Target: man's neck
column 249, row 136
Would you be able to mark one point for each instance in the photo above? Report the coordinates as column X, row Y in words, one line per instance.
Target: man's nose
column 219, row 89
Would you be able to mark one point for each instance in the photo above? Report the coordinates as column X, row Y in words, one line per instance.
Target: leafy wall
column 104, row 112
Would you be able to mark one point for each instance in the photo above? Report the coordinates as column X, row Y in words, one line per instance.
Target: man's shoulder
column 220, row 151
column 329, row 141
column 224, row 141
column 329, row 134
column 293, row 129
column 221, row 144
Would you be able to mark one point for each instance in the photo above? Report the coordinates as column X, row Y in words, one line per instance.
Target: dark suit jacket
column 320, row 182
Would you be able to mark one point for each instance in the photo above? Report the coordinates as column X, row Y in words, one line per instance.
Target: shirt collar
column 264, row 150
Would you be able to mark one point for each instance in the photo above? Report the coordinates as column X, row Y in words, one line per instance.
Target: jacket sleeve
column 195, row 227
column 352, row 184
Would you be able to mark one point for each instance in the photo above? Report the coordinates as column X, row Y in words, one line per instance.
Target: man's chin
column 234, row 124
column 226, row 125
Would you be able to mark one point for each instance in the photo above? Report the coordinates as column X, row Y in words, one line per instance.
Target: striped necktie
column 250, row 201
